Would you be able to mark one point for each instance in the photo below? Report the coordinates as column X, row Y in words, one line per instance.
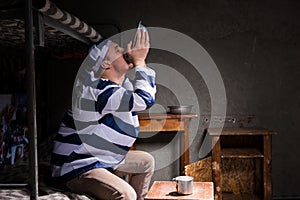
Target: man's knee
column 148, row 162
column 128, row 193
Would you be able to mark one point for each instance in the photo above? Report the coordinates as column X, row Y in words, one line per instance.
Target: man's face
column 115, row 57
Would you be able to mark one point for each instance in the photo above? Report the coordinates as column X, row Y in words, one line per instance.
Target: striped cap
column 97, row 53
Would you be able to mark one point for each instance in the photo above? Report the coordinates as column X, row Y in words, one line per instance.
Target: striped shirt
column 102, row 125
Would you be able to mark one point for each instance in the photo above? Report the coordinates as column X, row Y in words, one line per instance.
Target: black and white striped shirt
column 103, row 125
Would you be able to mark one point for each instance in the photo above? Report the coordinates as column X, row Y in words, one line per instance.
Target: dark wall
column 60, row 79
column 255, row 45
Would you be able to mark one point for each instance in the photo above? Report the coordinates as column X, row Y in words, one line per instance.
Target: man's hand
column 141, row 49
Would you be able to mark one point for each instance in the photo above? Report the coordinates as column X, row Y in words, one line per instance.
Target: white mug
column 184, row 184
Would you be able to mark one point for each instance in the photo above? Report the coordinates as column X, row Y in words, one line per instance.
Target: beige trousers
column 107, row 185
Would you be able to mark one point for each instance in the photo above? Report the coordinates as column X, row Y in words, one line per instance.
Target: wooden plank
column 166, row 190
column 185, row 147
column 240, row 131
column 165, row 116
column 267, row 167
column 230, row 196
column 216, row 168
column 157, row 125
column 241, row 153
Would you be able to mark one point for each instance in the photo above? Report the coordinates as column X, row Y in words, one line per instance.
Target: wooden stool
column 163, row 190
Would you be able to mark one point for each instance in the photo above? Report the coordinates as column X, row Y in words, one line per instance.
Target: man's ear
column 105, row 64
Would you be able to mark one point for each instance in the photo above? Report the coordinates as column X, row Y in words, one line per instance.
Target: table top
column 144, row 116
column 240, row 131
column 165, row 190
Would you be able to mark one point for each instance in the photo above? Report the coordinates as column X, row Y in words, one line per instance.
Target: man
column 92, row 148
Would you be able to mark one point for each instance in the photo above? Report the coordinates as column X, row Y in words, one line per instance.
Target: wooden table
column 164, row 190
column 156, row 122
column 243, row 143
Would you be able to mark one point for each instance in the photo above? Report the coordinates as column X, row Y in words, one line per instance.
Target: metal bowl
column 182, row 109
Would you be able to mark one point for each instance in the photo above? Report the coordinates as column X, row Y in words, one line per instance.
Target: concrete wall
column 255, row 45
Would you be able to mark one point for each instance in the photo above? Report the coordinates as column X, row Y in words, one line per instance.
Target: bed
column 15, row 182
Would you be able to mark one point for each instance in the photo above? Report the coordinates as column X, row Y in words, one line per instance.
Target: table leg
column 267, row 167
column 216, row 167
column 184, row 147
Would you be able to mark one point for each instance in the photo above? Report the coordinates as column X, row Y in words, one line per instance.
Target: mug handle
column 174, row 179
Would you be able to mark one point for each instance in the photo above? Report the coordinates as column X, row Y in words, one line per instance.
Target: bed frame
column 43, row 12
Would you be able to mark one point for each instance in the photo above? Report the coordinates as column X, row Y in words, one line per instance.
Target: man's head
column 97, row 54
column 110, row 57
column 114, row 60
